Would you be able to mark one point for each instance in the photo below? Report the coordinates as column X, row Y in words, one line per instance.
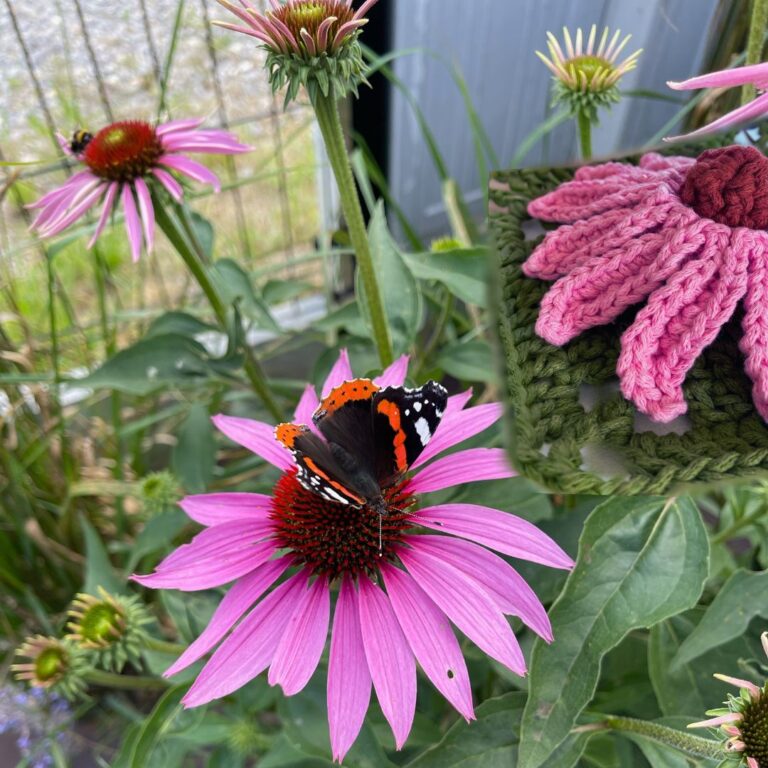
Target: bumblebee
column 80, row 140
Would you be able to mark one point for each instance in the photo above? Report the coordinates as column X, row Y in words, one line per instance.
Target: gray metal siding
column 493, row 44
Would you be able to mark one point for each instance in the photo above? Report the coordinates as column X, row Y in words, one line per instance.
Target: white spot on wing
column 416, row 407
column 422, row 427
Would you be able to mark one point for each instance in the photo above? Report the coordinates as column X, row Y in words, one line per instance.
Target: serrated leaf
column 742, row 598
column 464, row 271
column 640, row 561
column 98, row 567
column 400, row 294
column 194, row 456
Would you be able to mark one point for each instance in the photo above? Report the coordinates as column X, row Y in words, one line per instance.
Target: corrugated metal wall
column 493, row 43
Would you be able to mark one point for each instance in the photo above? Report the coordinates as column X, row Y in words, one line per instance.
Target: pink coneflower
column 123, row 161
column 756, row 75
column 744, row 722
column 686, row 235
column 399, row 587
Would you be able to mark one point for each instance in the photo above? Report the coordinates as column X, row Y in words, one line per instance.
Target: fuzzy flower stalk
column 314, row 44
column 743, row 722
column 402, row 572
column 138, row 167
column 586, row 75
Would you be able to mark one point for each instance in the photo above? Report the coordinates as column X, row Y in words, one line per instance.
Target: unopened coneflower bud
column 159, row 491
column 110, row 625
column 51, row 663
column 309, row 42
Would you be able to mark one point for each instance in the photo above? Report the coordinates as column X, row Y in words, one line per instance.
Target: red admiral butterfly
column 372, row 436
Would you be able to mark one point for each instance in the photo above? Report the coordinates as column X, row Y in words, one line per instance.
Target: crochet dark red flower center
column 331, row 538
column 729, row 185
column 123, row 151
column 754, row 729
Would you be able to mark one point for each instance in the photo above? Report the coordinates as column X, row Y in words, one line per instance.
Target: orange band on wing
column 357, row 389
column 338, row 486
column 392, row 412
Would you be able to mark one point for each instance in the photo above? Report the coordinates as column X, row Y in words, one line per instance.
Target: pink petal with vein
column 457, row 402
column 299, row 650
column 106, row 209
column 458, row 426
column 680, row 320
column 390, row 660
column 501, row 581
column 394, row 375
column 67, row 216
column 754, row 341
column 178, row 125
column 241, row 596
column 467, row 605
column 506, row 533
column 349, row 681
column 256, row 436
column 461, row 467
column 431, row 638
column 217, row 508
column 757, row 74
column 731, row 717
column 248, row 651
column 147, row 213
column 754, row 110
column 173, row 186
column 341, row 372
column 308, row 404
column 753, row 689
column 132, row 222
column 191, row 168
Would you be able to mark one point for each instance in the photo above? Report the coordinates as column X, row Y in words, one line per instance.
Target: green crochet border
column 547, row 427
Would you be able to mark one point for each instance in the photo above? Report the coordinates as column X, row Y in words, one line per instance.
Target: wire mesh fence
column 85, row 63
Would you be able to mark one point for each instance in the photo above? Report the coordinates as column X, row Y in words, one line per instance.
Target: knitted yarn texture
column 685, row 236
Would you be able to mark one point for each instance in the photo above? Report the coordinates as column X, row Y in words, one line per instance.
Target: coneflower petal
column 341, row 372
column 468, row 466
column 257, row 437
column 106, row 210
column 394, row 375
column 216, row 508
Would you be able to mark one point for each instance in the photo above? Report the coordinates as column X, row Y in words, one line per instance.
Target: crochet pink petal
column 390, row 660
column 576, row 200
column 498, row 530
column 754, row 342
column 653, row 161
column 349, row 681
column 341, row 372
column 248, row 651
column 394, row 375
column 462, row 467
column 431, row 638
column 241, row 596
column 597, row 292
column 586, row 242
column 603, row 171
column 680, row 320
column 299, row 650
column 217, row 508
column 501, row 581
column 457, row 426
column 467, row 605
column 256, row 436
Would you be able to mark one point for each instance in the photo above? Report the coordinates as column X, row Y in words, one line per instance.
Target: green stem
column 757, row 27
column 585, row 134
column 696, row 746
column 174, row 229
column 327, row 112
column 729, row 532
column 56, row 360
column 124, row 682
column 163, row 646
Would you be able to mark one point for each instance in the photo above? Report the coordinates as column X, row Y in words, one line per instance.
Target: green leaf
column 689, row 689
column 235, row 287
column 98, row 568
column 491, row 741
column 640, row 561
column 468, row 360
column 400, row 292
column 178, row 322
column 204, row 232
column 156, row 726
column 157, row 534
column 741, row 599
column 464, row 271
column 347, row 317
column 153, row 363
column 194, row 456
column 279, row 291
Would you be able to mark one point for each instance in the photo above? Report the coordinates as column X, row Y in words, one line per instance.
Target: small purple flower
column 123, row 161
column 397, row 595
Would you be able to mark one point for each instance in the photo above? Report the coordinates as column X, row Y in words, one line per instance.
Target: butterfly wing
column 404, row 422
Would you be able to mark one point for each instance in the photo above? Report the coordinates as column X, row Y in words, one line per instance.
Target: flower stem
column 124, row 682
column 729, row 532
column 327, row 113
column 757, row 27
column 163, row 646
column 696, row 746
column 172, row 225
column 585, row 134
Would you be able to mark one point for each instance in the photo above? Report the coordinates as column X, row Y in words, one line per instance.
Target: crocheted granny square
column 569, row 427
